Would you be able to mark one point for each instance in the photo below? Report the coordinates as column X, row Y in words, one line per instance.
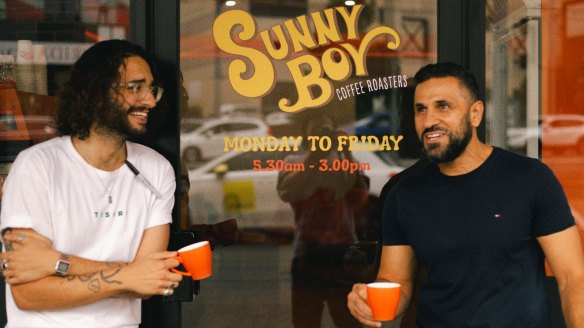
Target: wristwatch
column 62, row 266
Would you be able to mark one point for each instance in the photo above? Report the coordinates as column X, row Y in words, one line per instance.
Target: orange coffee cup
column 196, row 259
column 383, row 298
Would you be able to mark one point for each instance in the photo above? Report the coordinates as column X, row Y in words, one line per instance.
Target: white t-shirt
column 51, row 189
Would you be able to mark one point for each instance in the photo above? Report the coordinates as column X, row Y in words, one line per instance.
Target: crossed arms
column 31, row 264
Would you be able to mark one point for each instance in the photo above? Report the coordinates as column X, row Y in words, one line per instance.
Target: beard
column 115, row 120
column 453, row 149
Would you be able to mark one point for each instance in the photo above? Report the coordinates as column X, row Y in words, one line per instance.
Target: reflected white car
column 229, row 187
column 207, row 141
column 38, row 128
column 564, row 131
column 278, row 118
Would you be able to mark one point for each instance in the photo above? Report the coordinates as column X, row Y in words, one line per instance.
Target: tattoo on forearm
column 108, row 278
column 116, row 264
column 86, row 277
column 94, row 285
column 95, row 280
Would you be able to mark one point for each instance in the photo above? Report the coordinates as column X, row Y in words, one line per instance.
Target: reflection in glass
column 276, row 250
column 40, row 40
column 327, row 207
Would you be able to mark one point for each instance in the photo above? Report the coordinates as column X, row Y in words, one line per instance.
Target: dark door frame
column 461, row 39
column 155, row 26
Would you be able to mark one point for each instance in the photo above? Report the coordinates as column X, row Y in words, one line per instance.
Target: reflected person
column 325, row 206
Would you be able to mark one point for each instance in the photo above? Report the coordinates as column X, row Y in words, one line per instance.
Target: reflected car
column 39, row 127
column 564, row 132
column 560, row 132
column 207, row 141
column 376, row 124
column 229, row 187
column 278, row 118
column 190, row 124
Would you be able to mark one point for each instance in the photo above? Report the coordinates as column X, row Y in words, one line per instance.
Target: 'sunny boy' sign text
column 254, row 74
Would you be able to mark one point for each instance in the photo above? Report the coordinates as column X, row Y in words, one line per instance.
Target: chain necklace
column 82, row 149
column 111, row 188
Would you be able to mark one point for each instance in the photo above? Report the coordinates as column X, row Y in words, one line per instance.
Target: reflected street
column 250, row 287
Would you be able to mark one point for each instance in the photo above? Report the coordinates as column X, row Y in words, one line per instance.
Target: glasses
column 140, row 90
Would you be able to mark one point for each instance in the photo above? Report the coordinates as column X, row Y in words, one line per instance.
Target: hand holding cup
column 383, row 298
column 196, row 259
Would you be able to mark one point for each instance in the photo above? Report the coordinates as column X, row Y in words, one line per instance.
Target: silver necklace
column 111, row 188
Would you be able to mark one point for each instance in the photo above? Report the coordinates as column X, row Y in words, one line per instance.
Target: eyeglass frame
column 155, row 90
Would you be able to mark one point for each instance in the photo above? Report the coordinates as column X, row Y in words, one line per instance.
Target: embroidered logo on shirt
column 109, row 214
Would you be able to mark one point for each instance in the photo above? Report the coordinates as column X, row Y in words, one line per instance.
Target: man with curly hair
column 85, row 239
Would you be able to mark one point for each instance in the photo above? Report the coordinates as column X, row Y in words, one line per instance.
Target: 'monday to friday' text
column 323, row 143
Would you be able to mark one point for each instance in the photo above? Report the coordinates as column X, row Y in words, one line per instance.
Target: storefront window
column 562, row 126
column 39, row 41
column 513, row 75
column 310, row 69
column 535, row 86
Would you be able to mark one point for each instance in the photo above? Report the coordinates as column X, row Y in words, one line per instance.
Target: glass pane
column 295, row 241
column 562, row 127
column 39, row 41
column 535, row 86
column 513, row 84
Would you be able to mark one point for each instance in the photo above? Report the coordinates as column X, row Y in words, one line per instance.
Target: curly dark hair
column 87, row 93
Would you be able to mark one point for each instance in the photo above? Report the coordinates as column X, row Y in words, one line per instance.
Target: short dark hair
column 447, row 69
column 86, row 94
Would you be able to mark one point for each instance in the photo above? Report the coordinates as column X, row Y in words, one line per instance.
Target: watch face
column 62, row 267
